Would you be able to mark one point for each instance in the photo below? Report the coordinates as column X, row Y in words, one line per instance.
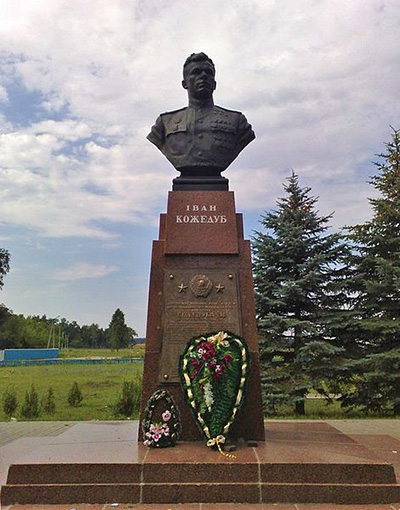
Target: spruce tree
column 376, row 290
column 119, row 334
column 31, row 406
column 300, row 297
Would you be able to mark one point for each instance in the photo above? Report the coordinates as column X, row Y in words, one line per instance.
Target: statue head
column 199, row 76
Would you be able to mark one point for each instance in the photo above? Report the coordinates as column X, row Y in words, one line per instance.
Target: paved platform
column 333, row 441
column 205, row 506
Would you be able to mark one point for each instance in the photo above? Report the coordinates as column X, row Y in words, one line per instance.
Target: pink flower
column 166, row 416
column 147, row 442
column 156, row 437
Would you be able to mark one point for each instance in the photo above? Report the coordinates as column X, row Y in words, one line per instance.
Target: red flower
column 206, row 350
column 219, row 370
column 228, row 357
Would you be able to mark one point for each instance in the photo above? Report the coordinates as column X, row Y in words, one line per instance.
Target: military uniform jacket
column 209, row 137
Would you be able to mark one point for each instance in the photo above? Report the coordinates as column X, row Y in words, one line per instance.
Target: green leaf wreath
column 164, row 432
column 214, row 369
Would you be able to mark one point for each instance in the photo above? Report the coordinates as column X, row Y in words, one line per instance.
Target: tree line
column 33, row 331
column 328, row 304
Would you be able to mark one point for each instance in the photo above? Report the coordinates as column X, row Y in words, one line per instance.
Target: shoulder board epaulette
column 173, row 111
column 226, row 109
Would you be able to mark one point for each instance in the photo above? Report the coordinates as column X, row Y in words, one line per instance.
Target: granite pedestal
column 201, row 281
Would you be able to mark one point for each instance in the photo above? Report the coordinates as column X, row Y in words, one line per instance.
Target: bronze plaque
column 196, row 301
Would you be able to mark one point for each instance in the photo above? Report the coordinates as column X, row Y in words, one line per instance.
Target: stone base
column 299, row 463
column 201, row 238
column 206, row 183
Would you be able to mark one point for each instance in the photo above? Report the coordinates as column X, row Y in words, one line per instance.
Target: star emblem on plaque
column 182, row 287
column 201, row 285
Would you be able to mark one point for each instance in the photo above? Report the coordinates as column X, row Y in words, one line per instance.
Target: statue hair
column 198, row 57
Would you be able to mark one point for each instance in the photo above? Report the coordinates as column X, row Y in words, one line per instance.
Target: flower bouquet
column 214, row 369
column 164, row 433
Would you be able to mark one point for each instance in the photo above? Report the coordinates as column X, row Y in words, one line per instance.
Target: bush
column 129, row 400
column 75, row 396
column 10, row 402
column 30, row 407
column 48, row 402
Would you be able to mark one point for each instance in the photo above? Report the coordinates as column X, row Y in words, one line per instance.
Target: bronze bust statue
column 203, row 139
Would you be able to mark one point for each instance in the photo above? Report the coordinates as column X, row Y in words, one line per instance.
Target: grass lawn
column 137, row 351
column 101, row 386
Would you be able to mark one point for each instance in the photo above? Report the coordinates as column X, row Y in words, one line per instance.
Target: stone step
column 174, row 493
column 197, row 472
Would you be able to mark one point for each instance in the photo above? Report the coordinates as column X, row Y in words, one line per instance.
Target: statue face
column 199, row 80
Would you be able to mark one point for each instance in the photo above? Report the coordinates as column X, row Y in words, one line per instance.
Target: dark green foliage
column 225, row 393
column 10, row 401
column 376, row 383
column 129, row 400
column 118, row 333
column 48, row 402
column 376, row 291
column 17, row 331
column 4, row 265
column 300, row 285
column 31, row 407
column 75, row 396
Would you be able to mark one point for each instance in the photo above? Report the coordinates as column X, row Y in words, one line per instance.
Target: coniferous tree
column 376, row 290
column 31, row 406
column 300, row 298
column 10, row 402
column 48, row 402
column 4, row 264
column 75, row 395
column 119, row 334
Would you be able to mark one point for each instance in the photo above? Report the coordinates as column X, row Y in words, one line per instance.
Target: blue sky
column 81, row 83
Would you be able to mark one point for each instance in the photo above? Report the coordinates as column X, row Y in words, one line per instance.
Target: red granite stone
column 74, row 473
column 207, row 248
column 62, row 494
column 201, row 493
column 201, row 222
column 330, row 493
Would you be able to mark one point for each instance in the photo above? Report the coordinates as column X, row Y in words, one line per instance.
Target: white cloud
column 83, row 270
column 319, row 92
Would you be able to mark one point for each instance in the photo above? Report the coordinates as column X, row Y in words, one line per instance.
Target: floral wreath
column 165, row 433
column 214, row 369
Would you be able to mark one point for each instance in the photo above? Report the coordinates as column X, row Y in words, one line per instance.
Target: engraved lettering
column 194, row 218
column 202, row 208
column 185, row 315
